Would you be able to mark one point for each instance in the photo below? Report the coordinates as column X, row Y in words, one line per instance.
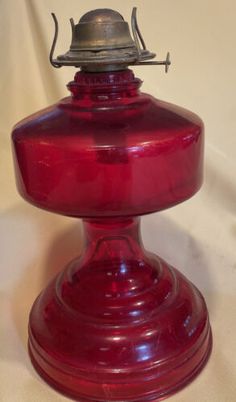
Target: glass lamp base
column 119, row 324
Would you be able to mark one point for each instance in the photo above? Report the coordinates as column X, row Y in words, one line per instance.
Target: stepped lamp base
column 119, row 324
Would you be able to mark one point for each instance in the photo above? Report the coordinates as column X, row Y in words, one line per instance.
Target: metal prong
column 72, row 24
column 138, row 30
column 53, row 63
column 134, row 29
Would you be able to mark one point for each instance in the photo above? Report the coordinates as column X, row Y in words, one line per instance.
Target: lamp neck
column 105, row 85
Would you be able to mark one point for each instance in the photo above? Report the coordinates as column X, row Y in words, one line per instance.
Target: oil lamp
column 119, row 323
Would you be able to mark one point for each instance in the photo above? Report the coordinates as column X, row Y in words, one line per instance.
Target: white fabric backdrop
column 198, row 236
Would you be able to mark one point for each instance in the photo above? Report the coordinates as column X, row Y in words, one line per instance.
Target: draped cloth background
column 198, row 236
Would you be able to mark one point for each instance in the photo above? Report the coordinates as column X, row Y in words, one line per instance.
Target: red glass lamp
column 119, row 323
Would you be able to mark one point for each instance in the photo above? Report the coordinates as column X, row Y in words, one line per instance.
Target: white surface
column 198, row 236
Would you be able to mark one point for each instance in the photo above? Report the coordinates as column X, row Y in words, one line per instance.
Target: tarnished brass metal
column 101, row 41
